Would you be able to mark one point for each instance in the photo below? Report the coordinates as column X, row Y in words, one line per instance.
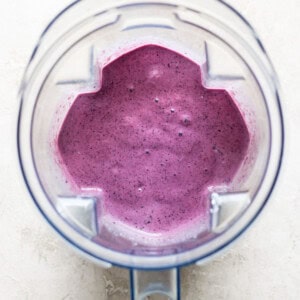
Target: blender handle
column 145, row 283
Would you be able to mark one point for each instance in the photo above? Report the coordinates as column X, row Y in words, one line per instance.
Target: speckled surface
column 36, row 264
column 154, row 140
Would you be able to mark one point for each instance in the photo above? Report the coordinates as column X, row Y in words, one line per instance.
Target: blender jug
column 67, row 61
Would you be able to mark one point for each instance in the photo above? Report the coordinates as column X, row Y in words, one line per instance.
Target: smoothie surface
column 153, row 139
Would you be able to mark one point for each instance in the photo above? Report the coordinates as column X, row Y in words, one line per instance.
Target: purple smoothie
column 153, row 139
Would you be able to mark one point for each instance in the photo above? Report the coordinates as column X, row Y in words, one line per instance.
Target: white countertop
column 36, row 264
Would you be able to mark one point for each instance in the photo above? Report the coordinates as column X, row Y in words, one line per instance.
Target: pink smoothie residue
column 153, row 139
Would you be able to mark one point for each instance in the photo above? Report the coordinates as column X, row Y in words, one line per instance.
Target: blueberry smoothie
column 153, row 139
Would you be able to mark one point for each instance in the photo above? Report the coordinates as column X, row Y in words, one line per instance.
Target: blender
column 66, row 62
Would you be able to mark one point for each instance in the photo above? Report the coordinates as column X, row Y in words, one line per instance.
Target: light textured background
column 36, row 264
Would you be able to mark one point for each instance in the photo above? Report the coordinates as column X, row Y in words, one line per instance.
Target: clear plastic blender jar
column 66, row 62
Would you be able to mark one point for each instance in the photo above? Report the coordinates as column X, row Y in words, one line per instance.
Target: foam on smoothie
column 153, row 139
